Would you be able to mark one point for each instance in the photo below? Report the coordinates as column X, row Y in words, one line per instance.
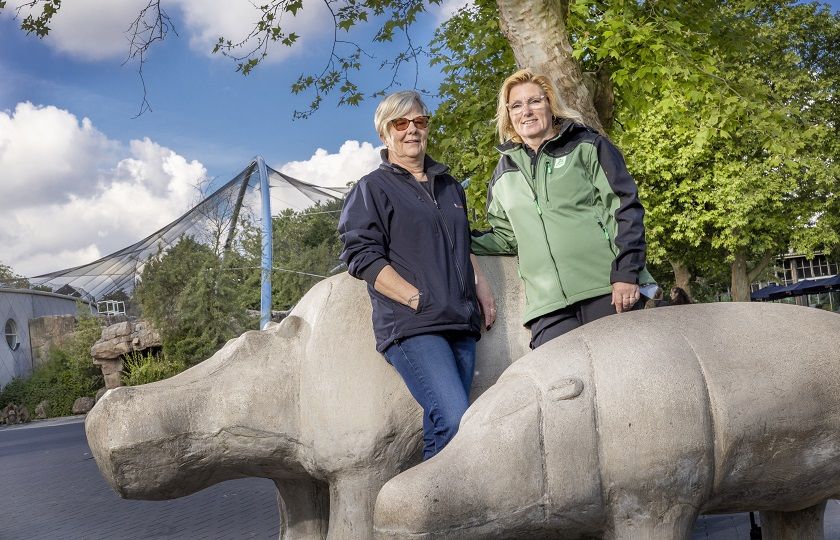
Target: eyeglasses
column 535, row 103
column 401, row 124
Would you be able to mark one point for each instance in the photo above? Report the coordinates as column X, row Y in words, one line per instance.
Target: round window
column 12, row 334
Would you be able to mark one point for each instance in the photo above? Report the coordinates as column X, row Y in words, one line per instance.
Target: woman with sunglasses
column 561, row 199
column 405, row 232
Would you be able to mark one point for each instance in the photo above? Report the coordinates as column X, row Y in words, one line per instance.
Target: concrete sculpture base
column 631, row 426
column 308, row 403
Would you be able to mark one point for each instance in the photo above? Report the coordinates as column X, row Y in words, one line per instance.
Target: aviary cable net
column 213, row 221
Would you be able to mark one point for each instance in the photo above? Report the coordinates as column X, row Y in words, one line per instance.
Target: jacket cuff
column 369, row 274
column 624, row 277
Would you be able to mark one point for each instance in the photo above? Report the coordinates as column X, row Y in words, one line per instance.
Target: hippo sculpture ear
column 290, row 326
column 565, row 389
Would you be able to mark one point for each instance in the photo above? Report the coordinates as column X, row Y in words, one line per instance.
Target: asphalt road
column 51, row 489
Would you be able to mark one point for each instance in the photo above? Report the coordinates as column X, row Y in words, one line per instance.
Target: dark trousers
column 557, row 323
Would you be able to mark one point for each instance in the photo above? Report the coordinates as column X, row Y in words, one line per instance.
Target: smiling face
column 531, row 118
column 407, row 148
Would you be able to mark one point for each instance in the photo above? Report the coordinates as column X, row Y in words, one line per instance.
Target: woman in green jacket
column 561, row 199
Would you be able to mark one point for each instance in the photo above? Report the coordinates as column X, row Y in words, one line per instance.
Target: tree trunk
column 536, row 30
column 682, row 276
column 740, row 278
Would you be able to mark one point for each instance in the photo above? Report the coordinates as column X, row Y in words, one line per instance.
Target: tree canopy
column 306, row 249
column 727, row 113
column 193, row 303
column 9, row 278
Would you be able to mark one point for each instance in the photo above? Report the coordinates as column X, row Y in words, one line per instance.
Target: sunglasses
column 401, row 124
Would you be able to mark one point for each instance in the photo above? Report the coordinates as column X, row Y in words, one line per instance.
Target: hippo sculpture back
column 631, row 426
column 308, row 403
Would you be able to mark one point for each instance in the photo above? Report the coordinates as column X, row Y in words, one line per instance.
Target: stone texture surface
column 83, row 405
column 14, row 414
column 41, row 409
column 632, row 425
column 124, row 337
column 118, row 340
column 308, row 402
column 47, row 332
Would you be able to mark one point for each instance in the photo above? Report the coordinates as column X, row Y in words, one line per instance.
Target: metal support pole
column 267, row 247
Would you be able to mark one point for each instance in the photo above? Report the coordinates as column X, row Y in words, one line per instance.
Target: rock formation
column 119, row 340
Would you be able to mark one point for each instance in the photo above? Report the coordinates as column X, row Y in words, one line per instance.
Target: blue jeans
column 438, row 371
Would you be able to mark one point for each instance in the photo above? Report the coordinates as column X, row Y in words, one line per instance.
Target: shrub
column 60, row 381
column 144, row 369
column 69, row 373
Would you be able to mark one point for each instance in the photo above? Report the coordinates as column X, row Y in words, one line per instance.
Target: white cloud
column 352, row 161
column 97, row 30
column 91, row 29
column 124, row 195
column 47, row 154
column 207, row 20
column 446, row 9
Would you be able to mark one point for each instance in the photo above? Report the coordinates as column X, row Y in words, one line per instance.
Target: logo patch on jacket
column 559, row 162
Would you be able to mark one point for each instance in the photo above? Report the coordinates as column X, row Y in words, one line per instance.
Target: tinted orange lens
column 401, row 124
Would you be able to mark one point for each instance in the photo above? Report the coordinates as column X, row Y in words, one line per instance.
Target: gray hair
column 394, row 106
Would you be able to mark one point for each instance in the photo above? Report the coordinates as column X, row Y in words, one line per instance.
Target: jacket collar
column 430, row 166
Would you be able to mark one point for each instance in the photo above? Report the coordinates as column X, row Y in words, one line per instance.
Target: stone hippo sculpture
column 631, row 426
column 308, row 403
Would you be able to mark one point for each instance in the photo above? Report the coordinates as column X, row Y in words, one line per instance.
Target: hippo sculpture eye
column 567, row 389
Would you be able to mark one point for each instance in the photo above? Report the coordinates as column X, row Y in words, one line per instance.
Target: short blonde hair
column 558, row 109
column 394, row 106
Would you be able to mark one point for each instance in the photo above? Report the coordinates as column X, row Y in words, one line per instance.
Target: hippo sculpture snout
column 631, row 426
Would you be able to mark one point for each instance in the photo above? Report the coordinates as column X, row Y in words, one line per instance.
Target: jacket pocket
column 610, row 244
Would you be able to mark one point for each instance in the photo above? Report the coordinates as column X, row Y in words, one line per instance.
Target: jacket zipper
column 542, row 222
column 443, row 224
column 606, row 233
column 545, row 180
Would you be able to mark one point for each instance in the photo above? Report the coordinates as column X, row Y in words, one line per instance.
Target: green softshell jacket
column 572, row 215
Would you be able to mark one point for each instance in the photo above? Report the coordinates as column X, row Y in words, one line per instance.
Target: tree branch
column 144, row 32
column 759, row 267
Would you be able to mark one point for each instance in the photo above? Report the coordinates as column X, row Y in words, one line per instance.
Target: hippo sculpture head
column 632, row 425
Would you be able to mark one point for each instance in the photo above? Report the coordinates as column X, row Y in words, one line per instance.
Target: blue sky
column 80, row 177
column 201, row 107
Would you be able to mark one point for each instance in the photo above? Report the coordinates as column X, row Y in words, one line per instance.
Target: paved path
column 52, row 490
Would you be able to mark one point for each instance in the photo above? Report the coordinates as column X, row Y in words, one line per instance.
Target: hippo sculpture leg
column 308, row 403
column 631, row 426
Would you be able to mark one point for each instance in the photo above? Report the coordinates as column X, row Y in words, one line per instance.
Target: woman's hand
column 395, row 287
column 484, row 294
column 624, row 296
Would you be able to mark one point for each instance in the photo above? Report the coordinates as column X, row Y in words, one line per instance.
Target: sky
column 81, row 175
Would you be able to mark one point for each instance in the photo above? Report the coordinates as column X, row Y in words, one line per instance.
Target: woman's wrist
column 414, row 300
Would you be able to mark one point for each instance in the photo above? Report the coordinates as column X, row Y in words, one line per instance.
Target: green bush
column 144, row 369
column 60, row 381
column 69, row 373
